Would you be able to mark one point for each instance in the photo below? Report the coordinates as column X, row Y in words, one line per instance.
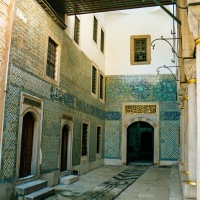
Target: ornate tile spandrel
column 140, row 109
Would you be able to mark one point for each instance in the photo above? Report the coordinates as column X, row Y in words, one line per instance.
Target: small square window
column 140, row 50
column 77, row 30
column 95, row 29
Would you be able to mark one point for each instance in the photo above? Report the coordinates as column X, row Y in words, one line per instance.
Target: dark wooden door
column 26, row 145
column 64, row 148
column 140, row 142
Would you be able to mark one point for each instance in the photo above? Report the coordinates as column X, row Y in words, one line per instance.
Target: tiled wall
column 142, row 88
column 73, row 95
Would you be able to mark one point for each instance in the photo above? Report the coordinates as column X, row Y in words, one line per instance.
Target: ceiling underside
column 75, row 7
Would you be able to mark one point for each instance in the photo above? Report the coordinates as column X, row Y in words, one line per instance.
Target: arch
column 26, row 145
column 130, row 120
column 69, row 125
column 64, row 148
column 140, row 119
column 140, row 142
column 36, row 113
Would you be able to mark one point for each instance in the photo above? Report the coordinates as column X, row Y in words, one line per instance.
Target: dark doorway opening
column 26, row 145
column 64, row 149
column 140, row 142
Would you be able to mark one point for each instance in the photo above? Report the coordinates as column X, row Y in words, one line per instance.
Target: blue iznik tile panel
column 112, row 139
column 169, row 140
column 170, row 115
column 55, row 102
column 112, row 115
column 50, row 136
column 143, row 88
column 10, row 136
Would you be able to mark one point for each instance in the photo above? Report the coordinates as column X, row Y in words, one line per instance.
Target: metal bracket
column 167, row 11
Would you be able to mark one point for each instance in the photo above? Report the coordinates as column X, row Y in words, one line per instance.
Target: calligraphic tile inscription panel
column 140, row 109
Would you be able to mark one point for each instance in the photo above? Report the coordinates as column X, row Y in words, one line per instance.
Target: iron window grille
column 94, row 79
column 77, row 30
column 101, row 87
column 102, row 41
column 95, row 28
column 98, row 139
column 140, row 47
column 84, row 139
column 51, row 59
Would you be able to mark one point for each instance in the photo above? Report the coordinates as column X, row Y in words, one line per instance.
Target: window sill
column 51, row 81
column 83, row 158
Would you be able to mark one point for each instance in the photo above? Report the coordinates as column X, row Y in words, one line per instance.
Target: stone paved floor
column 155, row 184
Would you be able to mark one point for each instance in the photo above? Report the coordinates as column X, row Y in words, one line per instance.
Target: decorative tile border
column 170, row 115
column 112, row 115
column 61, row 96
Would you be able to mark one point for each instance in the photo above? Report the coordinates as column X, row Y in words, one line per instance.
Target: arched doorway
column 64, row 149
column 26, row 145
column 140, row 142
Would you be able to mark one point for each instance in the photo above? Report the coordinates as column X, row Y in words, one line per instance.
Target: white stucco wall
column 147, row 21
column 87, row 45
column 118, row 26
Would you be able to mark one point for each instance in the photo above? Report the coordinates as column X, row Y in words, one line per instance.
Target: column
column 198, row 115
column 189, row 188
column 185, row 151
column 192, row 131
column 183, row 98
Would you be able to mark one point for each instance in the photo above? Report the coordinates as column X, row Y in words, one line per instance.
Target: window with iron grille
column 94, row 80
column 98, row 139
column 102, row 41
column 84, row 139
column 101, row 87
column 140, row 49
column 95, row 29
column 77, row 30
column 51, row 59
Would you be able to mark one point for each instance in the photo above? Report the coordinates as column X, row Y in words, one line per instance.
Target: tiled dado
column 58, row 95
column 142, row 88
column 26, row 80
column 139, row 88
column 55, row 101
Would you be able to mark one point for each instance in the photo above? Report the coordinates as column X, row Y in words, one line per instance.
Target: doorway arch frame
column 152, row 119
column 36, row 152
column 69, row 124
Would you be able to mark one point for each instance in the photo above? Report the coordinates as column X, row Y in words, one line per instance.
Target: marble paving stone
column 154, row 184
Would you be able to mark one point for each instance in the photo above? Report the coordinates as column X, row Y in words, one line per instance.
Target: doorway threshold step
column 30, row 187
column 40, row 194
column 66, row 180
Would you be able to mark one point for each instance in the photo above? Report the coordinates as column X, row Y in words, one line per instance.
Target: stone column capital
column 194, row 17
column 190, row 68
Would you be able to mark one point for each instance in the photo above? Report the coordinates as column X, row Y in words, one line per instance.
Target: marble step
column 66, row 180
column 30, row 187
column 40, row 194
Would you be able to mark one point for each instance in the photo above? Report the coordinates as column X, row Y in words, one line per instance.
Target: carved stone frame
column 152, row 119
column 132, row 50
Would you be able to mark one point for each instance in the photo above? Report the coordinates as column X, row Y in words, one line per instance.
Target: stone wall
column 26, row 75
column 6, row 8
